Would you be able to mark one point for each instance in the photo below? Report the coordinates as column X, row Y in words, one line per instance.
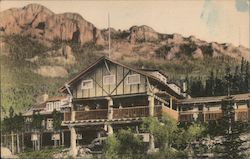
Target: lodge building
column 108, row 96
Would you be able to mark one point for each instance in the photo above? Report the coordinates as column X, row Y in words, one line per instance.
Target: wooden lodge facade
column 108, row 96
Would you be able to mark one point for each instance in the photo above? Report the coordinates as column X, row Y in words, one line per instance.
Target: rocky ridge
column 138, row 42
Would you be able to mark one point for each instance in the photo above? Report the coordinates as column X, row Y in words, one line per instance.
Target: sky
column 223, row 21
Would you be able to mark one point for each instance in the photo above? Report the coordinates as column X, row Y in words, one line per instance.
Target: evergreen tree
column 197, row 89
column 210, row 85
column 231, row 146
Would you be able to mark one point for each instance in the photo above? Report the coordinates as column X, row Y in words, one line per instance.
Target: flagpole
column 109, row 34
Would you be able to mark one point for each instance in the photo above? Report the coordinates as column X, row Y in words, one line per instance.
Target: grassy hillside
column 20, row 86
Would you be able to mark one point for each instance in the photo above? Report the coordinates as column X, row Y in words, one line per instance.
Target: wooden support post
column 22, row 142
column 12, row 143
column 62, row 138
column 38, row 142
column 17, row 143
column 41, row 140
column 73, row 148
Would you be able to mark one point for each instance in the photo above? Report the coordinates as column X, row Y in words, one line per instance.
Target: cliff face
column 39, row 22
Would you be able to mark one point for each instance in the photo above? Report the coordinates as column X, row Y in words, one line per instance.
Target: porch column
column 73, row 149
column 110, row 115
column 171, row 102
column 151, row 114
column 62, row 138
column 151, row 105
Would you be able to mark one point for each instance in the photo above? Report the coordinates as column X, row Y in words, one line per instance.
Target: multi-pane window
column 49, row 123
column 49, row 106
column 87, row 84
column 133, row 79
column 57, row 106
column 109, row 79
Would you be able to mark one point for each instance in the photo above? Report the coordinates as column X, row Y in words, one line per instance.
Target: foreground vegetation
column 44, row 153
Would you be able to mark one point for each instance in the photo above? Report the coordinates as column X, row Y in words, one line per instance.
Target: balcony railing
column 242, row 114
column 119, row 113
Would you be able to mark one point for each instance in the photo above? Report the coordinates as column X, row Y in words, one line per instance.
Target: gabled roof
column 102, row 59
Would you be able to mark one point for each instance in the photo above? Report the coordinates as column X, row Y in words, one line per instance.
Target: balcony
column 120, row 113
column 242, row 114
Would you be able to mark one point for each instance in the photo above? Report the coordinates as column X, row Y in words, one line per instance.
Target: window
column 109, row 79
column 57, row 106
column 133, row 79
column 49, row 123
column 49, row 106
column 87, row 84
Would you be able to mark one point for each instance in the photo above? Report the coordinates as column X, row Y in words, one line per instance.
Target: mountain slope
column 34, row 41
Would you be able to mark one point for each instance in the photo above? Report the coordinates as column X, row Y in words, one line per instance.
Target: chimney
column 45, row 97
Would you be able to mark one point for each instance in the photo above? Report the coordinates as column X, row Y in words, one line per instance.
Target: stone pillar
column 73, row 149
column 110, row 115
column 171, row 102
column 151, row 104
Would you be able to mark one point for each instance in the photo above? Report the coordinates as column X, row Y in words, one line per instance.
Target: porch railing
column 242, row 114
column 118, row 113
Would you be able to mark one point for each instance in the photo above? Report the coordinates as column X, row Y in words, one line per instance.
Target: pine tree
column 210, row 85
column 231, row 146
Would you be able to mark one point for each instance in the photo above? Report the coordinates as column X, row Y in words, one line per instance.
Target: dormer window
column 87, row 84
column 109, row 80
column 133, row 79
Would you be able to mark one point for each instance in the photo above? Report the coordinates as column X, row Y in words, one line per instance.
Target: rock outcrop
column 142, row 34
column 39, row 22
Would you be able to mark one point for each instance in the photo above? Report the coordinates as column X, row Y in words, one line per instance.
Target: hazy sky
column 210, row 20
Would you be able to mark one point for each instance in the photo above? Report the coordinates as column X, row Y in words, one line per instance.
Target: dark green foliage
column 22, row 47
column 13, row 122
column 188, row 49
column 197, row 89
column 237, row 81
column 231, row 146
column 162, row 51
column 57, row 120
column 37, row 121
column 124, row 145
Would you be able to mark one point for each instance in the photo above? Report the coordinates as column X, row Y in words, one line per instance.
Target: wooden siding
column 120, row 86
